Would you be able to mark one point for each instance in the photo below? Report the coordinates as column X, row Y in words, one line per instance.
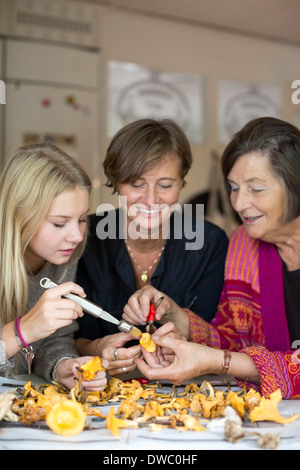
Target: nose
column 75, row 234
column 240, row 200
column 151, row 196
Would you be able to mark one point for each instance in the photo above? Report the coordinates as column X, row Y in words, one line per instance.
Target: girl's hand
column 66, row 372
column 51, row 312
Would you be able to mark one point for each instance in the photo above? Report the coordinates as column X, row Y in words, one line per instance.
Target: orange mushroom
column 90, row 368
column 66, row 418
column 147, row 342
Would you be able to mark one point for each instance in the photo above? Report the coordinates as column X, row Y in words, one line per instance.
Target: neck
column 144, row 260
column 142, row 238
column 288, row 244
column 34, row 264
column 148, row 245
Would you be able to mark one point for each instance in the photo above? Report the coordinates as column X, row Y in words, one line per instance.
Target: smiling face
column 150, row 198
column 61, row 231
column 257, row 195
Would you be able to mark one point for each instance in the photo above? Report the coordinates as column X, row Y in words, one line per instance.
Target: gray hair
column 280, row 142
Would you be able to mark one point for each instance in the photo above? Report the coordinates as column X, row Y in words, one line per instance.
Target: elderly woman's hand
column 189, row 360
column 164, row 355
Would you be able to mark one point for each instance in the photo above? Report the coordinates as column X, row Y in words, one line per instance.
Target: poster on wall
column 239, row 102
column 137, row 92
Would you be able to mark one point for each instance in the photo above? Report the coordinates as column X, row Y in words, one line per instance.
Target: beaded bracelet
column 26, row 349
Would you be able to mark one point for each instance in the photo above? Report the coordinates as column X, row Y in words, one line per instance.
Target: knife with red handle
column 151, row 316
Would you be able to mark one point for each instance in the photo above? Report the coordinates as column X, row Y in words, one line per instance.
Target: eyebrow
column 59, row 216
column 250, row 180
column 67, row 216
column 159, row 179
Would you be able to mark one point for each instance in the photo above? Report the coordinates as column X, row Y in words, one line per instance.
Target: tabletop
column 96, row 436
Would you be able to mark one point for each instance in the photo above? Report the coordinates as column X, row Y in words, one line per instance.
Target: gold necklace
column 144, row 276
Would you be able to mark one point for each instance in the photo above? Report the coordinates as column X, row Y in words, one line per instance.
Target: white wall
column 164, row 45
column 174, row 47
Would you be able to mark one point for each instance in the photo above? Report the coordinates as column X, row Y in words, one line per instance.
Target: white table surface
column 15, row 436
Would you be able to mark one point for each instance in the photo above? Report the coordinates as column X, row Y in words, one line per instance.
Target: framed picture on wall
column 137, row 92
column 239, row 102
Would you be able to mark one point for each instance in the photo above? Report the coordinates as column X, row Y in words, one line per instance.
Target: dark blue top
column 192, row 278
column 291, row 281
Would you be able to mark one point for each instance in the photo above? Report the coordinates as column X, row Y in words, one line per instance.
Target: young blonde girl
column 44, row 201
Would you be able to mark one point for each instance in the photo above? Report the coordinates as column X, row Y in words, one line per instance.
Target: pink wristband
column 19, row 333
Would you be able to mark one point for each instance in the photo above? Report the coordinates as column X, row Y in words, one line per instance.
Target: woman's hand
column 66, row 371
column 120, row 360
column 137, row 308
column 192, row 360
column 166, row 354
column 189, row 360
column 51, row 312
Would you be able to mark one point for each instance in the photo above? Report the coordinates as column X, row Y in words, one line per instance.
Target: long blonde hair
column 31, row 179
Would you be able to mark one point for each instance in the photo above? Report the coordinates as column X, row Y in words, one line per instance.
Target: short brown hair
column 140, row 145
column 280, row 142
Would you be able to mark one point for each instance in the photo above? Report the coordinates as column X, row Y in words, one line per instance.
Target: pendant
column 144, row 277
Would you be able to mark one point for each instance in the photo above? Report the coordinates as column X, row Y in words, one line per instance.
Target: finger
column 133, row 314
column 145, row 301
column 162, row 357
column 68, row 304
column 151, row 373
column 165, row 329
column 134, row 351
column 120, row 339
column 124, row 369
column 75, row 364
column 97, row 383
column 104, row 363
column 166, row 351
column 166, row 341
column 62, row 314
column 61, row 309
column 123, row 357
column 168, row 359
column 145, row 297
column 152, row 359
column 128, row 363
column 152, row 328
column 67, row 288
column 121, row 354
column 163, row 306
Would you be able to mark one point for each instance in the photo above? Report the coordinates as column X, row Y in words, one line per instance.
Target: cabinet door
column 67, row 118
